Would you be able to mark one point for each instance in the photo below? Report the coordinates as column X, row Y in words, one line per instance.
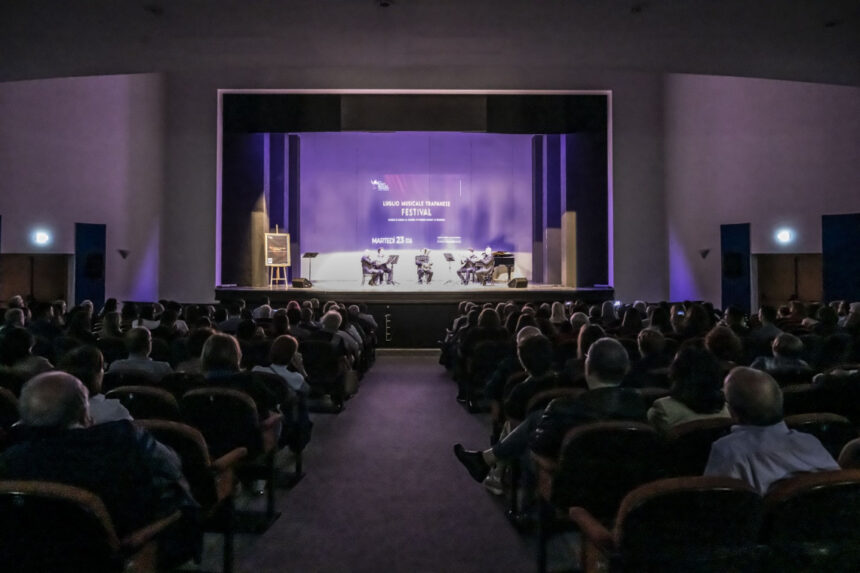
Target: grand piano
column 504, row 258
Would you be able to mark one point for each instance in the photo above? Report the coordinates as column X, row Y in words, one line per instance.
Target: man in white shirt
column 761, row 449
column 138, row 342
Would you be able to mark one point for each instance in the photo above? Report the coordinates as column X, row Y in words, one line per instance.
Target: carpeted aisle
column 383, row 490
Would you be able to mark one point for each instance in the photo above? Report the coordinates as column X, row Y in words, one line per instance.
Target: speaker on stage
column 519, row 282
column 302, row 282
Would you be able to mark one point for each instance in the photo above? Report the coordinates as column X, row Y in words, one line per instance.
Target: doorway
column 782, row 277
column 44, row 277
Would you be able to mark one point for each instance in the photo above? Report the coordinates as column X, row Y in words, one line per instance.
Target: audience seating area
column 227, row 416
column 636, row 491
column 632, row 486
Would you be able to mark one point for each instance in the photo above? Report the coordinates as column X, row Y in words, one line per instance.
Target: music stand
column 310, row 256
column 450, row 258
column 392, row 260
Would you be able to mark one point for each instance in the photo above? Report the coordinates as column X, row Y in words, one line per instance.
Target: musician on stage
column 381, row 264
column 368, row 267
column 424, row 266
column 467, row 270
column 484, row 267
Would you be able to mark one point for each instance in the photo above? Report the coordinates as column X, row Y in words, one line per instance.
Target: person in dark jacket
column 542, row 432
column 138, row 479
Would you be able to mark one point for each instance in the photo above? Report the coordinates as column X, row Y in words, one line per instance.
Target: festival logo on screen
column 379, row 184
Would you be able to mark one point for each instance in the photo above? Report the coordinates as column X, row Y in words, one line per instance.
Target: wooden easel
column 277, row 274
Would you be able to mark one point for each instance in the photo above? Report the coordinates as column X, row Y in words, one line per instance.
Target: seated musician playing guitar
column 381, row 264
column 425, row 267
column 467, row 270
column 485, row 266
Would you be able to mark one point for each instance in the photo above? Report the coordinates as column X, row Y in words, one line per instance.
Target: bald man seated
column 138, row 479
column 761, row 449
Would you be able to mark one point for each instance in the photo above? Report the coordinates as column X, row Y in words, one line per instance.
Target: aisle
column 383, row 490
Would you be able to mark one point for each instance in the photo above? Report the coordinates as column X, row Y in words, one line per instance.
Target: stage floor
column 413, row 292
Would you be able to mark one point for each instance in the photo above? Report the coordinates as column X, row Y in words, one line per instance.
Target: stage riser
column 413, row 319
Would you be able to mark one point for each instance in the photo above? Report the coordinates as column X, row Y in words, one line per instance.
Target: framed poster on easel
column 277, row 257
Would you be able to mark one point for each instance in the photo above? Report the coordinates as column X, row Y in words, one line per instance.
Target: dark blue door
column 735, row 249
column 840, row 250
column 90, row 263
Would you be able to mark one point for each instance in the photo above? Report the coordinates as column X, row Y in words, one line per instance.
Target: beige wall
column 86, row 150
column 769, row 153
column 639, row 253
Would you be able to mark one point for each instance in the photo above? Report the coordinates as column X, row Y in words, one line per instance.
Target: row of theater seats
column 638, row 497
column 221, row 439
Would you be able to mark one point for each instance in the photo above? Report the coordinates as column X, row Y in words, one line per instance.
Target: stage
column 412, row 315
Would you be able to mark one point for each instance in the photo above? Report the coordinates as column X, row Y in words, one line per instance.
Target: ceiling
column 806, row 40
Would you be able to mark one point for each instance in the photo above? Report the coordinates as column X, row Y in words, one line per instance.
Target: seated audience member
column 111, row 327
column 557, row 314
column 827, row 323
column 733, row 318
column 80, row 326
column 220, row 361
column 181, row 325
column 696, row 393
column 138, row 479
column 13, row 318
column 284, row 355
column 330, row 332
column 166, row 329
column 494, row 389
column 608, row 316
column 253, row 342
column 138, row 342
column 234, row 317
column 631, row 324
column 660, row 320
column 792, row 320
column 786, row 349
column 60, row 308
column 286, row 362
column 768, row 330
column 535, row 355
column 574, row 370
column 488, row 328
column 697, row 322
column 851, row 324
column 86, row 363
column 350, row 330
column 16, row 345
column 725, row 345
column 651, row 345
column 542, row 432
column 282, row 322
column 577, row 321
column 43, row 328
column 761, row 449
column 196, row 340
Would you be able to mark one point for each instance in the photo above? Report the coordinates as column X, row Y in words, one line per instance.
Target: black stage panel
column 413, row 319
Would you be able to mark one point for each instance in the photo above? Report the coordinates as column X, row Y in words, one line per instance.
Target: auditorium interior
column 218, row 160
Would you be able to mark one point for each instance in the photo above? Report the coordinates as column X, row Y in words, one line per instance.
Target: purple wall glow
column 415, row 190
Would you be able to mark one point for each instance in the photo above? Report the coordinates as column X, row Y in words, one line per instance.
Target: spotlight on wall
column 704, row 253
column 41, row 237
column 784, row 236
column 123, row 253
